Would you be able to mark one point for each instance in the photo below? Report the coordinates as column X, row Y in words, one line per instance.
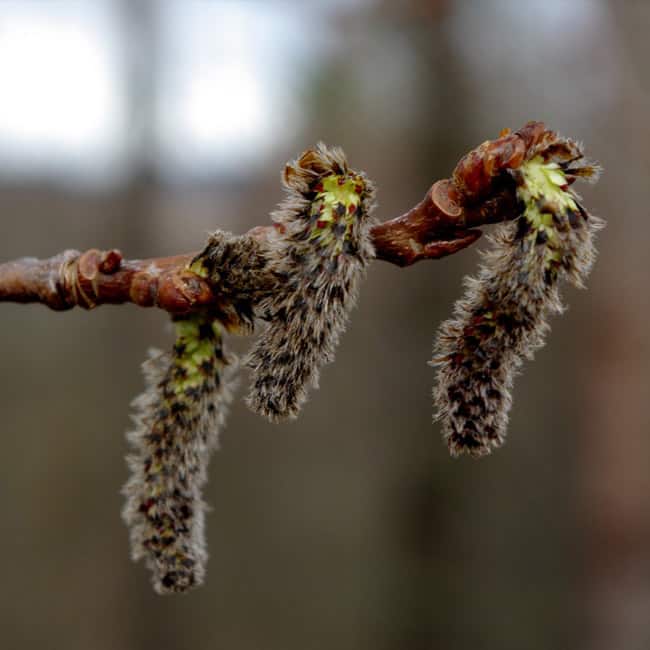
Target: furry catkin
column 238, row 266
column 177, row 423
column 502, row 318
column 318, row 255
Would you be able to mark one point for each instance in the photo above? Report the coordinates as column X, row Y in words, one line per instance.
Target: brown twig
column 480, row 192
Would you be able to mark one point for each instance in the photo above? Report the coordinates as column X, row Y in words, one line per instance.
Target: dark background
column 143, row 125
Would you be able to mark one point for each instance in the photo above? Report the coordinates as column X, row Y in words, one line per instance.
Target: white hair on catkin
column 502, row 318
column 177, row 422
column 318, row 254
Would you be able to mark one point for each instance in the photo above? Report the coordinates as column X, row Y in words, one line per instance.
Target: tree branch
column 480, row 192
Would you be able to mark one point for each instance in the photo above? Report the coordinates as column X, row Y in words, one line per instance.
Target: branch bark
column 480, row 192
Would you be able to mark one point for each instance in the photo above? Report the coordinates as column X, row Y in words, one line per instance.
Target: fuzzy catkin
column 502, row 318
column 177, row 422
column 238, row 265
column 318, row 256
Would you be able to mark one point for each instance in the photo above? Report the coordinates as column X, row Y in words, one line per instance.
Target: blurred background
column 143, row 125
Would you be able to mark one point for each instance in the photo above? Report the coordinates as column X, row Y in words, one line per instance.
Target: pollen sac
column 177, row 422
column 317, row 255
column 503, row 317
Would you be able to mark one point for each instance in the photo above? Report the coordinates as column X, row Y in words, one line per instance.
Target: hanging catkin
column 503, row 316
column 318, row 255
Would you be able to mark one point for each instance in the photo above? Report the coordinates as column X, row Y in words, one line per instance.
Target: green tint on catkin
column 177, row 423
column 502, row 318
column 318, row 257
column 335, row 209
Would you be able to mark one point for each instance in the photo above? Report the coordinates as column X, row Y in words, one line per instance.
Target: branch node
column 110, row 261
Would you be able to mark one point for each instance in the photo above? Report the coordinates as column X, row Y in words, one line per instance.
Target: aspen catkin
column 177, row 423
column 318, row 255
column 502, row 318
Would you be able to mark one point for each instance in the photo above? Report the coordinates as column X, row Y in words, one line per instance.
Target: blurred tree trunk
column 140, row 28
column 615, row 481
